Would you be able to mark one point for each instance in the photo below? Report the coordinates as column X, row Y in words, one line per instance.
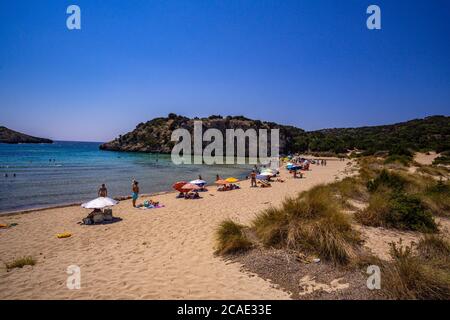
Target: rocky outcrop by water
column 13, row 137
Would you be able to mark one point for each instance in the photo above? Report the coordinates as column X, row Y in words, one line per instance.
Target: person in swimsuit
column 135, row 194
column 253, row 177
column 103, row 192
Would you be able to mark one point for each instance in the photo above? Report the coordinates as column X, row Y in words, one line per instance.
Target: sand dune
column 164, row 253
column 425, row 159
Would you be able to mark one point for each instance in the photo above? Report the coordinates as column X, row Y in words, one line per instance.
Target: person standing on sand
column 253, row 177
column 217, row 177
column 103, row 192
column 135, row 194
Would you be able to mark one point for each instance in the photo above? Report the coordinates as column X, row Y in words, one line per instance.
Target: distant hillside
column 431, row 133
column 11, row 136
column 154, row 135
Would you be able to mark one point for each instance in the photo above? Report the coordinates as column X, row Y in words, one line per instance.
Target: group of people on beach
column 103, row 191
column 254, row 181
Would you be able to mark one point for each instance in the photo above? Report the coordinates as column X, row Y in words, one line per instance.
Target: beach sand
column 425, row 159
column 165, row 253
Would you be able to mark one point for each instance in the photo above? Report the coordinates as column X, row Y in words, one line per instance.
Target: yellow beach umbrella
column 231, row 180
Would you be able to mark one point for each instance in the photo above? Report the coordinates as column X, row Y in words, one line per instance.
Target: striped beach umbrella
column 198, row 182
column 189, row 187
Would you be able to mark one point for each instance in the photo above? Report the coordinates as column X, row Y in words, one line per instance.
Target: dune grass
column 423, row 275
column 312, row 221
column 433, row 170
column 404, row 160
column 230, row 238
column 350, row 188
column 397, row 210
column 387, row 180
column 443, row 158
column 397, row 201
column 436, row 197
column 21, row 262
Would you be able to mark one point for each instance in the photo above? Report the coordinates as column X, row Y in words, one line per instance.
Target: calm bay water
column 68, row 172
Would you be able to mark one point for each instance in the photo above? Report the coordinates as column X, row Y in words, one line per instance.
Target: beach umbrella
column 272, row 172
column 198, row 182
column 177, row 185
column 189, row 187
column 231, row 180
column 99, row 203
column 261, row 177
column 266, row 174
column 221, row 182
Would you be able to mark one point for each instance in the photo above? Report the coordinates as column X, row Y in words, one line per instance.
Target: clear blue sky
column 312, row 64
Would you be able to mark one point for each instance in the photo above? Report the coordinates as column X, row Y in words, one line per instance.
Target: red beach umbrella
column 178, row 185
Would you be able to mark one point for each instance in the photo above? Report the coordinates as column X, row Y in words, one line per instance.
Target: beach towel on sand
column 153, row 207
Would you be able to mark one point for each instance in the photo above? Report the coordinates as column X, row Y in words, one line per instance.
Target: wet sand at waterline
column 165, row 253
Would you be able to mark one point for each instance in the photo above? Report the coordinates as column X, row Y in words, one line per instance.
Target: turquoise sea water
column 69, row 172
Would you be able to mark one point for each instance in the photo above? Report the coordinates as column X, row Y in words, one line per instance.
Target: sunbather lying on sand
column 225, row 187
column 192, row 195
column 149, row 204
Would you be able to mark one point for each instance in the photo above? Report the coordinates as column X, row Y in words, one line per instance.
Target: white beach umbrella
column 99, row 203
column 198, row 182
column 266, row 173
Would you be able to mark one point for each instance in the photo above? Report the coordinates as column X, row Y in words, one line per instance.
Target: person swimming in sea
column 135, row 193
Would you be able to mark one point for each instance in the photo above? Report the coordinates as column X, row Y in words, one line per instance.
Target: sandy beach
column 165, row 253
